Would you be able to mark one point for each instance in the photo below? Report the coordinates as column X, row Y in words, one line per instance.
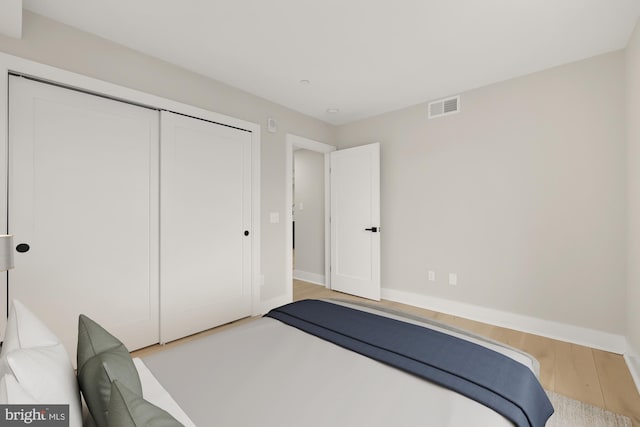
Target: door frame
column 292, row 142
column 46, row 73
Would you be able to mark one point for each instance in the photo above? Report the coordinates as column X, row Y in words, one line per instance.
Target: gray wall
column 522, row 194
column 309, row 190
column 633, row 139
column 52, row 43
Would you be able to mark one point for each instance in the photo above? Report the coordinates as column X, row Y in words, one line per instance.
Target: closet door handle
column 23, row 247
column 372, row 229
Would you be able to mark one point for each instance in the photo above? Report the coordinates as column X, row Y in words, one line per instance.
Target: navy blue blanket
column 486, row 376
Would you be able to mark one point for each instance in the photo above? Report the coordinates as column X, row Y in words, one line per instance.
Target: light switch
column 453, row 279
column 274, row 217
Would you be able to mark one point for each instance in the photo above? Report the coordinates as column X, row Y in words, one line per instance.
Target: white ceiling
column 364, row 57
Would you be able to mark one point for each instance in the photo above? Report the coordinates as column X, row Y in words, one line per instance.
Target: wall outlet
column 453, row 279
column 432, row 276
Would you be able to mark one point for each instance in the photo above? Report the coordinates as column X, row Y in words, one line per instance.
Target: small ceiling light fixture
column 333, row 110
column 305, row 82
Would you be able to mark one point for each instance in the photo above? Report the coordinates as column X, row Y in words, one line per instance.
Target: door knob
column 372, row 229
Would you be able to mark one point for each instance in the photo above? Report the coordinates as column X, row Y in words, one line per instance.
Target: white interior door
column 355, row 221
column 205, row 225
column 83, row 194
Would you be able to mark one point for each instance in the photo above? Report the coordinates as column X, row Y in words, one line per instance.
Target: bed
column 267, row 372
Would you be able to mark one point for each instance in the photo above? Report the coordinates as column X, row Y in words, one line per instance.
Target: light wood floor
column 593, row 376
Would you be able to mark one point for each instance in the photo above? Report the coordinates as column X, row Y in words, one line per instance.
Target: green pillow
column 102, row 358
column 127, row 409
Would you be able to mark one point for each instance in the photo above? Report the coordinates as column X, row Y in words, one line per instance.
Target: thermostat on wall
column 272, row 125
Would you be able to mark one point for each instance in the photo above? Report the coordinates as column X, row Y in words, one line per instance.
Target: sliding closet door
column 205, row 277
column 83, row 195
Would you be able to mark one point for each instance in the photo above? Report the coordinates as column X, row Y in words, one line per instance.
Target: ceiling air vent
column 443, row 107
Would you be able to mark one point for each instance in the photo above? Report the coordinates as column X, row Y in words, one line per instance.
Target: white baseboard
column 556, row 330
column 633, row 363
column 305, row 276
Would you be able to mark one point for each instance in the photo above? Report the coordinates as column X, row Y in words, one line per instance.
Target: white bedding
column 153, row 392
column 265, row 373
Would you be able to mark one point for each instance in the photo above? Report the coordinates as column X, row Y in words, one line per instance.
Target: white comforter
column 265, row 373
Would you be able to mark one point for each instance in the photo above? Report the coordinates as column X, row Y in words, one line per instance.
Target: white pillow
column 25, row 330
column 34, row 356
column 12, row 393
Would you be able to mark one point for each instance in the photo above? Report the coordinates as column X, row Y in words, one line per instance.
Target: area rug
column 573, row 413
